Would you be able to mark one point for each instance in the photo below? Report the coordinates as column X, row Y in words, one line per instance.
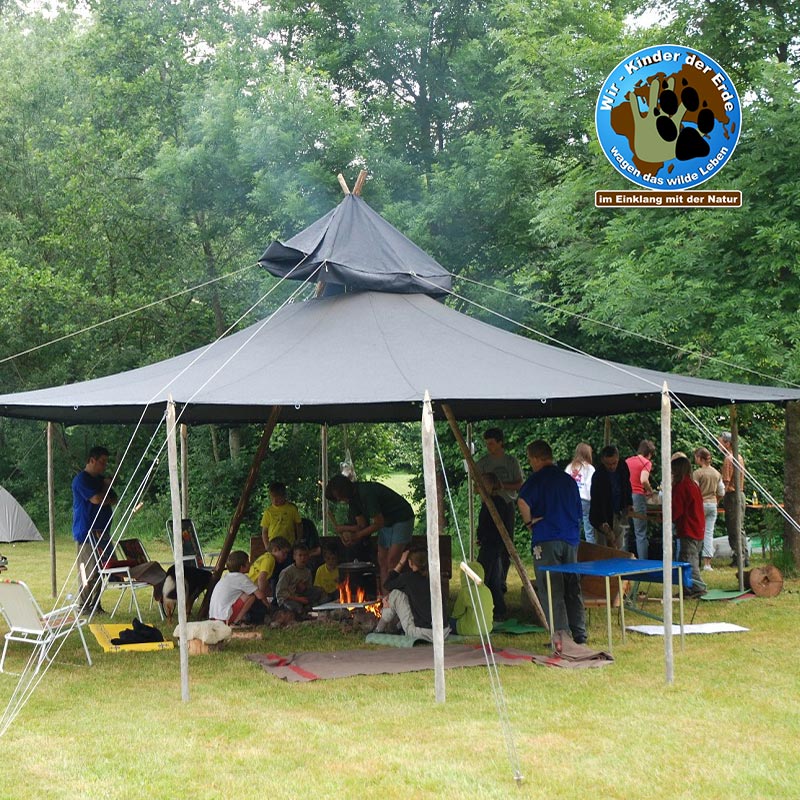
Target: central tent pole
column 501, row 528
column 184, row 471
column 432, row 537
column 324, row 454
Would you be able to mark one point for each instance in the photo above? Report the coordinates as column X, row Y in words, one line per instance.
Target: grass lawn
column 726, row 728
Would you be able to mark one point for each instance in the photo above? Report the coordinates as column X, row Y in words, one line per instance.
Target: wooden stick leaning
column 501, row 528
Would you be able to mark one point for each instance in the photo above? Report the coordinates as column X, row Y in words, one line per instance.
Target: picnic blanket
column 703, row 627
column 304, row 667
column 106, row 632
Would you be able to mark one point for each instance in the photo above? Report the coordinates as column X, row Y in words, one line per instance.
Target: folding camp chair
column 192, row 552
column 29, row 624
column 117, row 578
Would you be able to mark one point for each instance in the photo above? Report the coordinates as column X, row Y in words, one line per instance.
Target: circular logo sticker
column 668, row 117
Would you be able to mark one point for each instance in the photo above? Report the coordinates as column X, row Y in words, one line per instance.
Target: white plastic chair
column 29, row 624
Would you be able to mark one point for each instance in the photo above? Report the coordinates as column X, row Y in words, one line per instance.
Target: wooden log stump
column 764, row 581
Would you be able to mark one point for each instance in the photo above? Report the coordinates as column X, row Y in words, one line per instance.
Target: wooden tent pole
column 359, row 185
column 177, row 546
column 236, row 520
column 471, row 498
column 606, row 431
column 184, row 471
column 51, row 509
column 666, row 527
column 432, row 537
column 343, row 183
column 738, row 483
column 324, row 474
column 501, row 528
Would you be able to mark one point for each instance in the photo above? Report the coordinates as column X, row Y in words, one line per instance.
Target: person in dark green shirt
column 373, row 507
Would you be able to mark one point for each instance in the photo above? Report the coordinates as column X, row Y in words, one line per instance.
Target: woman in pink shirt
column 639, row 467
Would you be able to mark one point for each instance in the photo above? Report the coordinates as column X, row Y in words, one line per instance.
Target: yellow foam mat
column 105, row 633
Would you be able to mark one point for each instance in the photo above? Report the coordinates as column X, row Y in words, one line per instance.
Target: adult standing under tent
column 15, row 524
column 733, row 502
column 611, row 498
column 639, row 467
column 93, row 500
column 550, row 505
column 373, row 507
column 509, row 473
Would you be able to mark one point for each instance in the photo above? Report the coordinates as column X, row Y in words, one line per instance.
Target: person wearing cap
column 733, row 500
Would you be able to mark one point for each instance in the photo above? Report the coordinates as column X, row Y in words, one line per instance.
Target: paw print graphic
column 660, row 133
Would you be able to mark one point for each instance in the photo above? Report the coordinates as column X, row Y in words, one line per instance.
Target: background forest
column 152, row 150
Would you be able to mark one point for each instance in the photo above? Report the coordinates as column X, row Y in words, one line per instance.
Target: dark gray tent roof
column 356, row 247
column 370, row 356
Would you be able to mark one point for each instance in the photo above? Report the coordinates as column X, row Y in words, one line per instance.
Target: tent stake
column 432, row 536
column 236, row 520
column 501, row 528
column 177, row 546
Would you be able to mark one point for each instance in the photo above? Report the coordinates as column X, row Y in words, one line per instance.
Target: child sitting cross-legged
column 327, row 575
column 266, row 569
column 236, row 598
column 409, row 601
column 295, row 590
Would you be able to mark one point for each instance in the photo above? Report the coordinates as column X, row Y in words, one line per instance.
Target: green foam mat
column 516, row 628
column 724, row 594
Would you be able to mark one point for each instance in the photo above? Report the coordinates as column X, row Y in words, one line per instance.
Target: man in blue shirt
column 92, row 507
column 550, row 505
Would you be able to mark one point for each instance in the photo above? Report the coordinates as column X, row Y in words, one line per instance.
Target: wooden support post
column 791, row 482
column 606, row 431
column 471, row 497
column 738, row 482
column 51, row 509
column 177, row 546
column 362, row 176
column 432, row 537
column 184, row 471
column 236, row 520
column 501, row 528
column 324, row 472
column 666, row 527
column 343, row 183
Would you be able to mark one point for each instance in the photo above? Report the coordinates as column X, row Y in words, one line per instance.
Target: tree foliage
column 153, row 150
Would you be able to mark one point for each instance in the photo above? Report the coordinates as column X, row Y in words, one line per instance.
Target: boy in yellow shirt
column 264, row 571
column 327, row 575
column 281, row 518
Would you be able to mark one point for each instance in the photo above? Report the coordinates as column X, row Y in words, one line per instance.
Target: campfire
column 353, row 595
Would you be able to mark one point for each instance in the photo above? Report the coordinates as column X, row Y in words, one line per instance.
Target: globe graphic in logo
column 668, row 117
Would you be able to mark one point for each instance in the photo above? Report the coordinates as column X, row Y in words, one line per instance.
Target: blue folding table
column 619, row 568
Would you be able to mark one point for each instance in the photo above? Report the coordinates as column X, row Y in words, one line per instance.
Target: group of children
column 249, row 592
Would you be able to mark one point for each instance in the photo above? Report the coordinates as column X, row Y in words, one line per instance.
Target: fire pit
column 358, row 582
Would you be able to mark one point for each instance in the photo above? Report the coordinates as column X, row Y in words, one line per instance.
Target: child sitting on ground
column 236, row 598
column 327, row 575
column 473, row 611
column 409, row 601
column 280, row 518
column 295, row 591
column 266, row 569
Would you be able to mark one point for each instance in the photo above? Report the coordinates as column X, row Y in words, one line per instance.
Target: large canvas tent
column 369, row 354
